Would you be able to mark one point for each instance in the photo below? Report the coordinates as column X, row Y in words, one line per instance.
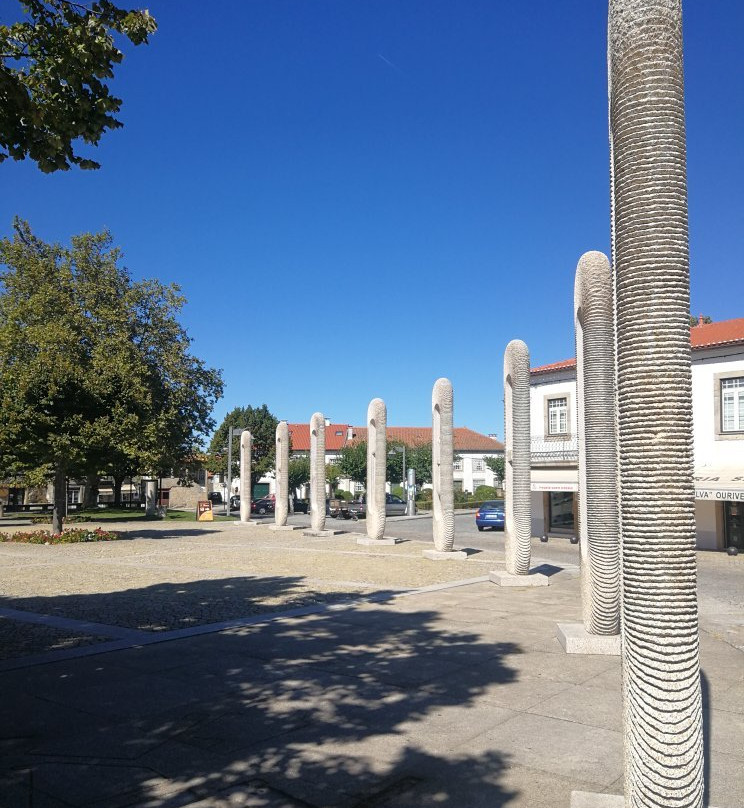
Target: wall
column 708, row 521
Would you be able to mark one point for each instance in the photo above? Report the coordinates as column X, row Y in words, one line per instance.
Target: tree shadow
column 349, row 707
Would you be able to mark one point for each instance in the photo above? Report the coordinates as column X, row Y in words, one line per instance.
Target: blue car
column 490, row 514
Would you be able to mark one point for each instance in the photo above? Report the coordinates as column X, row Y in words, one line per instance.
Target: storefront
column 719, row 508
column 554, row 501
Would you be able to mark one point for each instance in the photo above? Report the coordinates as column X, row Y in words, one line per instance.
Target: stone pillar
column 376, row 468
column 599, row 539
column 151, row 497
column 663, row 713
column 317, row 473
column 442, row 455
column 246, row 447
column 281, row 505
column 517, row 494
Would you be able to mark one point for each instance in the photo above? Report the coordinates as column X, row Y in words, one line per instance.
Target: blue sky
column 358, row 197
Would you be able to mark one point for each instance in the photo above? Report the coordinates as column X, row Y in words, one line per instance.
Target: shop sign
column 204, row 511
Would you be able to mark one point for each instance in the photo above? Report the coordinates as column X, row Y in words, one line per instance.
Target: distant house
column 471, row 448
column 718, row 436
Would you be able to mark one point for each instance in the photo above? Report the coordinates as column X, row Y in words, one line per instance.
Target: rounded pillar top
column 317, row 420
column 442, row 391
column 593, row 283
column 517, row 361
column 282, row 431
column 246, row 439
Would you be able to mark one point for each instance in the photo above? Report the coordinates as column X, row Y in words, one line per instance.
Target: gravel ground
column 181, row 576
column 23, row 639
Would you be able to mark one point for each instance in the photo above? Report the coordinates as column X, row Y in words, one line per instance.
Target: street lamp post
column 231, row 433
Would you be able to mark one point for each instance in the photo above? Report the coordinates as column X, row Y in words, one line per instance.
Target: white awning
column 719, row 484
column 554, row 479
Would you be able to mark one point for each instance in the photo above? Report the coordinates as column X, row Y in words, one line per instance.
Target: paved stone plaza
column 216, row 665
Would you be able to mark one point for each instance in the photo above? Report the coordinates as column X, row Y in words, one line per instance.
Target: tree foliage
column 95, row 369
column 54, row 65
column 299, row 472
column 353, row 462
column 418, row 458
column 262, row 425
column 497, row 466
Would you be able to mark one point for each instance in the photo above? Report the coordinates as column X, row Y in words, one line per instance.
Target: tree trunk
column 661, row 676
column 92, row 483
column 118, row 482
column 60, row 499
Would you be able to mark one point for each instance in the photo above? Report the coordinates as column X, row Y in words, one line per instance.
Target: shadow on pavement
column 362, row 708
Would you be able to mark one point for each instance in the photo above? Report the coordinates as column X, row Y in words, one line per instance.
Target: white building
column 718, row 433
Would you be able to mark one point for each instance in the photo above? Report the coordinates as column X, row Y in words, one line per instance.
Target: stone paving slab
column 457, row 693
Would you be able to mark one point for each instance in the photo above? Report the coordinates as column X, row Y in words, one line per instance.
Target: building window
column 477, row 465
column 477, row 484
column 557, row 416
column 457, row 485
column 732, row 405
column 457, row 465
column 561, row 511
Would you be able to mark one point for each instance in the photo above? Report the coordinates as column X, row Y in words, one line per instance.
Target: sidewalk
column 421, row 693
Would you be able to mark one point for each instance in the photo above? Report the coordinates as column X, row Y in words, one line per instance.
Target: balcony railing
column 546, row 450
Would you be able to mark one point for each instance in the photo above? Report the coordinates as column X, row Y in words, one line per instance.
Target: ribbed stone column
column 599, row 539
column 442, row 456
column 661, row 678
column 317, row 472
column 281, row 505
column 517, row 493
column 246, row 448
column 376, row 467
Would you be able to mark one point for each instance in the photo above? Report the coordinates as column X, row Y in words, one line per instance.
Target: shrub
column 80, row 534
column 425, row 495
column 344, row 495
column 485, row 492
column 397, row 491
column 70, row 519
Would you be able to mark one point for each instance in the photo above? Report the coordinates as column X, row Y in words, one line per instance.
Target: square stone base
column 250, row 522
column 321, row 534
column 575, row 639
column 385, row 540
column 441, row 555
column 588, row 799
column 503, row 578
column 284, row 527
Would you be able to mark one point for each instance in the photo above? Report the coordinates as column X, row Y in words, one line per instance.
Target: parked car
column 491, row 514
column 394, row 506
column 262, row 506
column 234, row 502
column 215, row 497
column 301, row 505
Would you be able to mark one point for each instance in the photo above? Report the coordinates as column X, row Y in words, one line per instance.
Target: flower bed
column 79, row 534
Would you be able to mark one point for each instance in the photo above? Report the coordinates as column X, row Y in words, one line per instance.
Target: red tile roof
column 465, row 439
column 708, row 335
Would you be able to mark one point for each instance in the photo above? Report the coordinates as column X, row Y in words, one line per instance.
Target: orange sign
column 204, row 511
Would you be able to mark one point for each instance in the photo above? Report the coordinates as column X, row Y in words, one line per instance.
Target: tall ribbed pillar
column 317, row 472
column 442, row 456
column 599, row 539
column 661, row 678
column 517, row 493
column 246, row 448
column 376, row 468
column 281, row 504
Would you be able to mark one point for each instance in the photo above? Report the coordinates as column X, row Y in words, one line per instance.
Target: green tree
column 496, row 464
column 352, row 461
column 333, row 474
column 299, row 472
column 94, row 368
column 418, row 458
column 54, row 63
column 262, row 425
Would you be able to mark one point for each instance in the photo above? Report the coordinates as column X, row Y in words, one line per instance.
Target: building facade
column 718, row 434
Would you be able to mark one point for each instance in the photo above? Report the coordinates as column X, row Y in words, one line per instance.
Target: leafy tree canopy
column 496, row 464
column 54, row 63
column 95, row 369
column 353, row 462
column 299, row 472
column 262, row 425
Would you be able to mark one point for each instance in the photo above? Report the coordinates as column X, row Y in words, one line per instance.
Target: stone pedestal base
column 503, row 578
column 575, row 639
column 588, row 799
column 385, row 540
column 250, row 523
column 441, row 555
column 284, row 527
column 321, row 534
